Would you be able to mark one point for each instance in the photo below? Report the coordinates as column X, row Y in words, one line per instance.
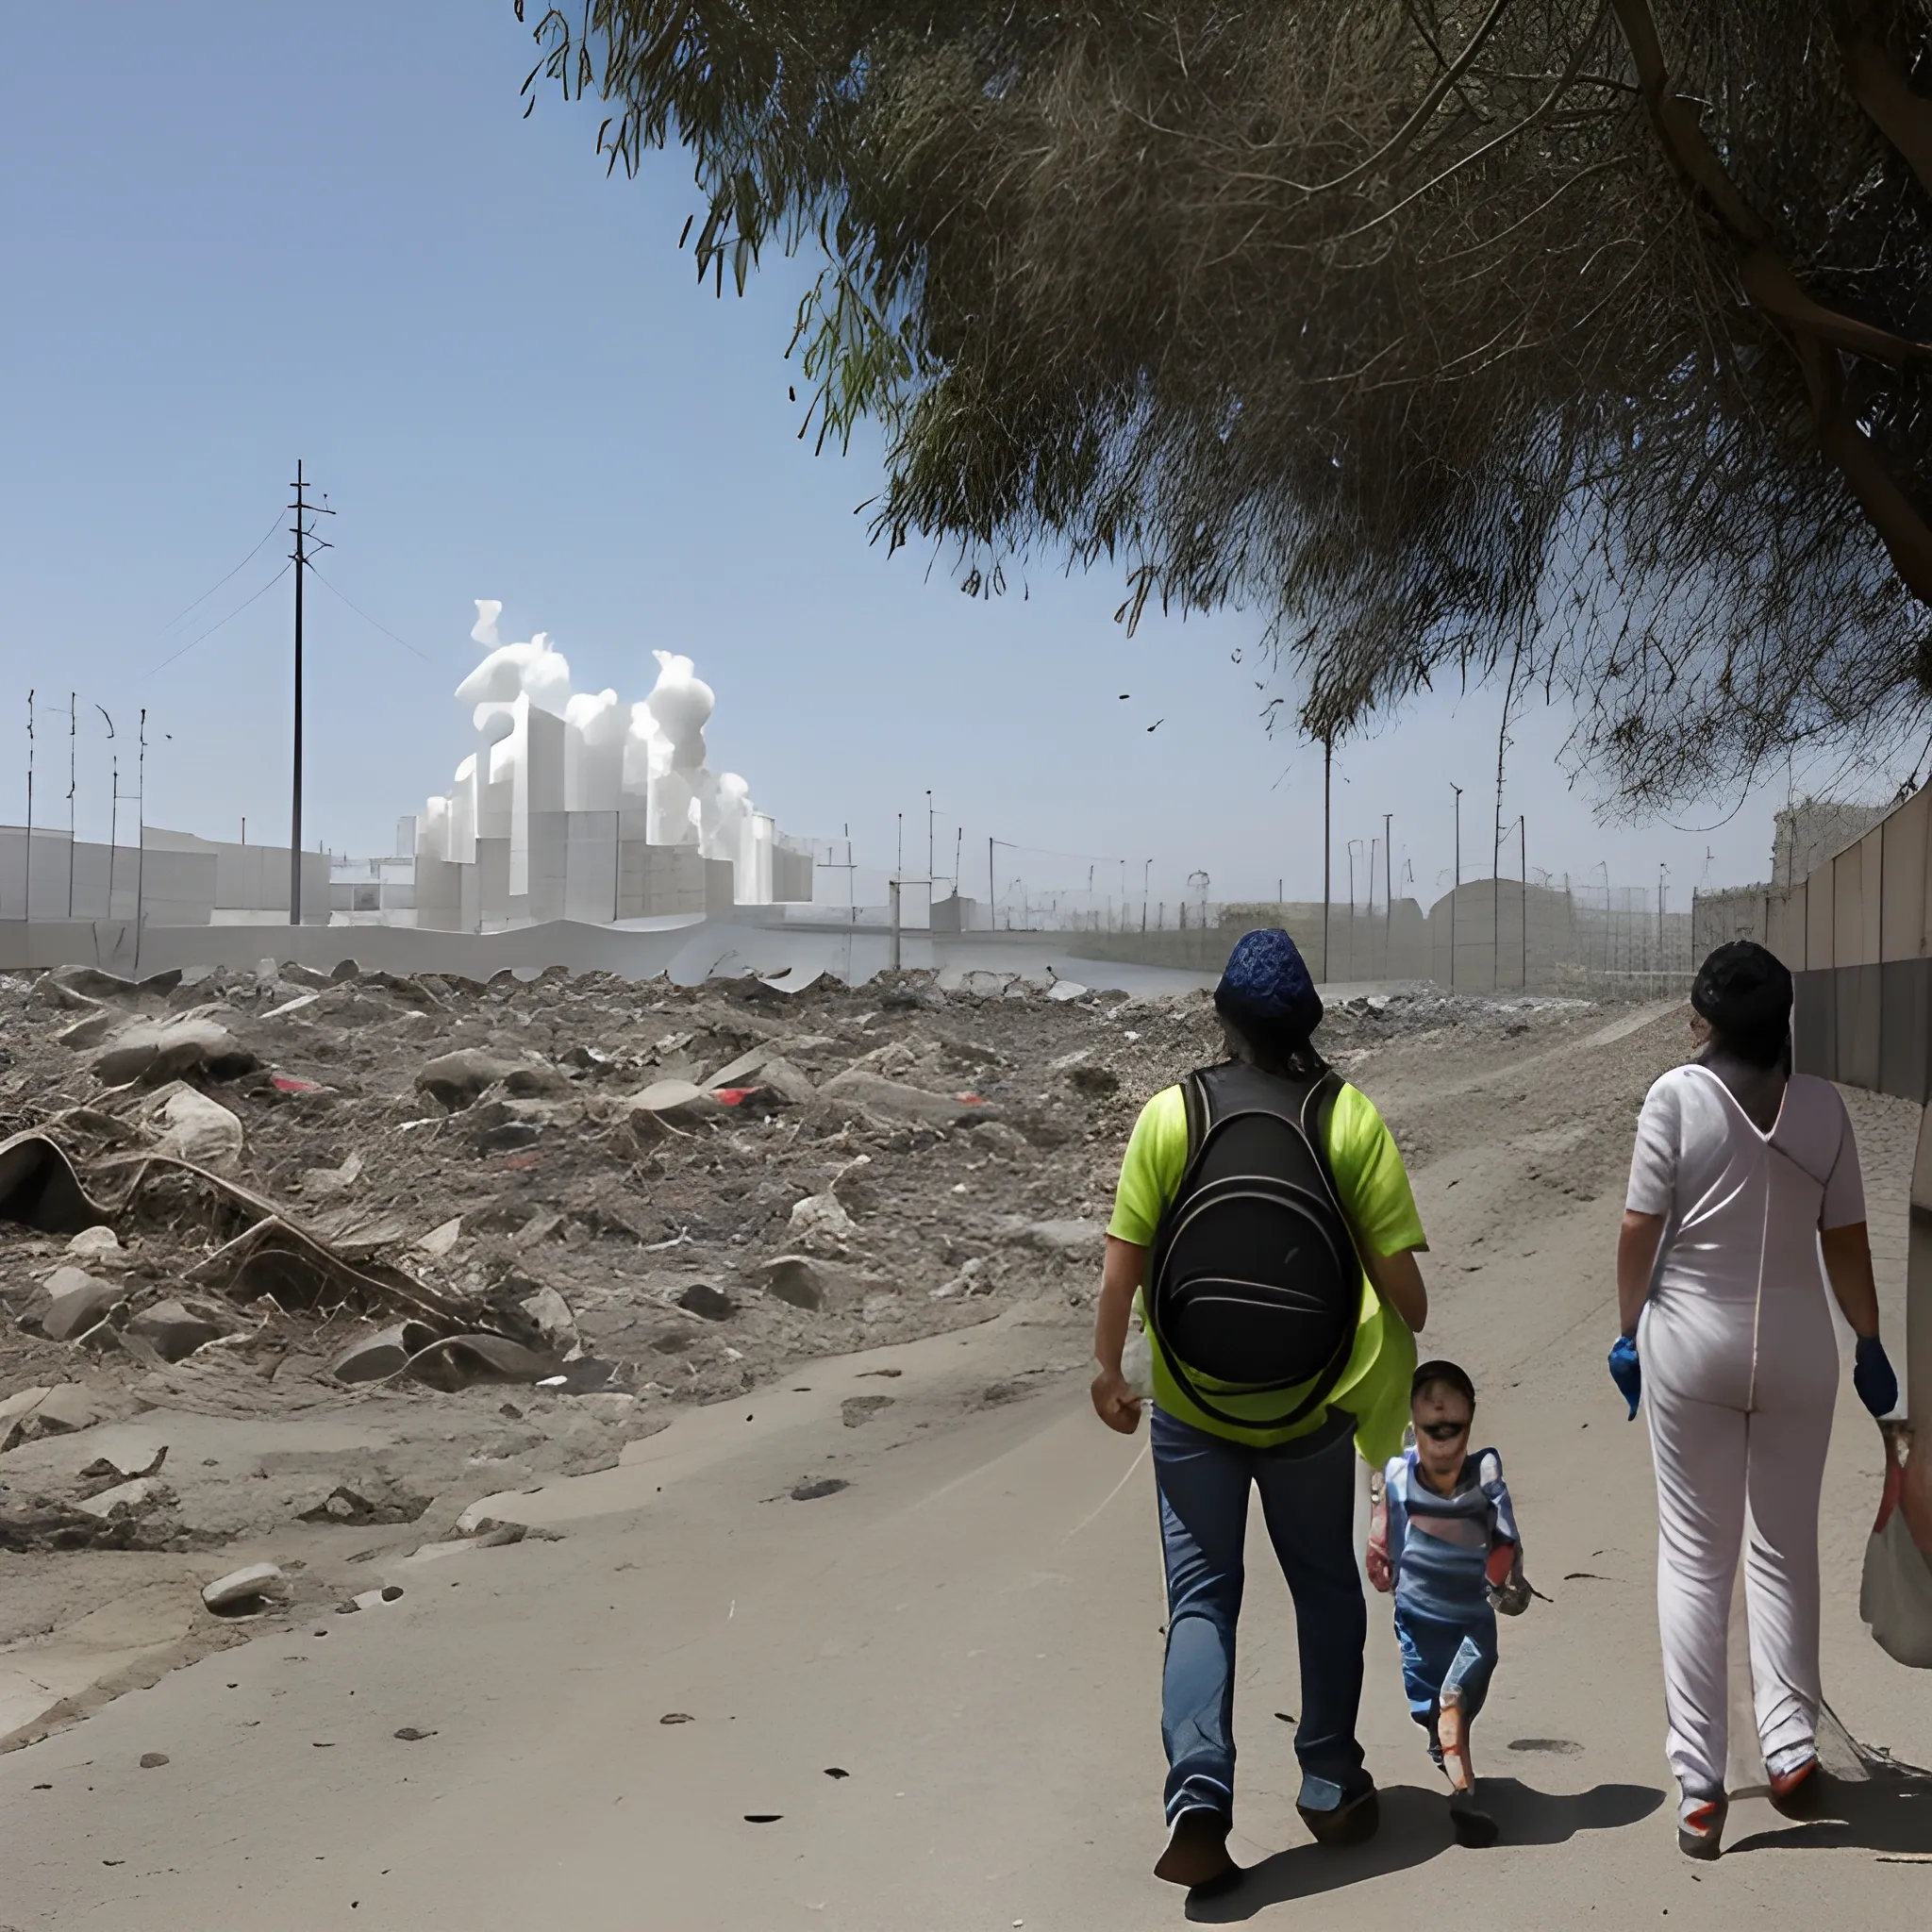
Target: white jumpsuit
column 1740, row 1362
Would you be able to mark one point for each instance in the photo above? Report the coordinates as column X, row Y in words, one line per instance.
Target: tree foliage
column 1583, row 337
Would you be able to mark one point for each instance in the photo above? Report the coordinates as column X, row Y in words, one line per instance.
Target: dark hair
column 1444, row 1371
column 1276, row 1049
column 1744, row 992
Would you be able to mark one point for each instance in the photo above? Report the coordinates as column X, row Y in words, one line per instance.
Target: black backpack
column 1255, row 1279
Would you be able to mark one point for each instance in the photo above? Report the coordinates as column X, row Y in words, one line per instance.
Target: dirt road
column 910, row 1652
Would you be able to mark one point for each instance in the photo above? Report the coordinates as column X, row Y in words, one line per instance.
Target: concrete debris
column 247, row 1591
column 201, row 1130
column 820, row 1221
column 175, row 1331
column 441, row 1238
column 150, row 1051
column 554, row 1320
column 77, row 1301
column 124, row 1499
column 319, row 1183
column 62, row 1410
column 457, row 1079
column 98, row 1247
column 1067, row 1239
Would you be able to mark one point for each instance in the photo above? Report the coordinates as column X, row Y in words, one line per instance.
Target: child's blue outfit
column 1439, row 1553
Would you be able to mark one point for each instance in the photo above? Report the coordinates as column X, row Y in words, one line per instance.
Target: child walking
column 1443, row 1539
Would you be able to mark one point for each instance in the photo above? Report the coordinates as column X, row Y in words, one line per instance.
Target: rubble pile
column 302, row 1200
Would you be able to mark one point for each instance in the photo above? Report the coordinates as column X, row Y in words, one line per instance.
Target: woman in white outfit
column 1745, row 1178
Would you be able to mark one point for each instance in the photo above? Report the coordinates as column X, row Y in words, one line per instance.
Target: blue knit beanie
column 1266, row 988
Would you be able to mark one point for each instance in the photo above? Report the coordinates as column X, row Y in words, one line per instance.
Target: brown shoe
column 1196, row 1852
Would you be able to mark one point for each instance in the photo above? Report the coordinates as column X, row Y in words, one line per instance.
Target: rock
column 441, row 1238
column 89, row 1030
column 173, row 1331
column 64, row 1410
column 531, row 1080
column 126, row 1499
column 153, row 1761
column 99, row 1245
column 1067, row 990
column 14, row 1411
column 857, row 1411
column 78, row 1301
column 456, row 1079
column 713, row 1303
column 319, row 1183
column 506, row 1136
column 817, row 1286
column 893, row 1100
column 385, row 1352
column 151, row 1051
column 555, row 1323
column 201, row 1130
column 821, row 1219
column 90, row 983
column 247, row 1591
column 780, row 1079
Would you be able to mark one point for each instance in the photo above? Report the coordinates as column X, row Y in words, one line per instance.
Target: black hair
column 1744, row 992
column 1275, row 1048
column 1444, row 1371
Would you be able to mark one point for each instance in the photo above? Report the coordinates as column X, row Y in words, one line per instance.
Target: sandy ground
column 927, row 1698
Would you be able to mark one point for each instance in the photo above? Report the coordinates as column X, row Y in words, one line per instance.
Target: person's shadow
column 1889, row 1811
column 1415, row 1828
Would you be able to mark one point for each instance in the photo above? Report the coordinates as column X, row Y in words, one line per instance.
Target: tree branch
column 1903, row 117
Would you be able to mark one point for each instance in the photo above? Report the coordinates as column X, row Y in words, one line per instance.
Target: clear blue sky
column 237, row 233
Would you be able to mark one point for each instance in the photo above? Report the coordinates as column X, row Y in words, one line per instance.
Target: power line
column 367, row 618
column 215, row 626
column 236, row 571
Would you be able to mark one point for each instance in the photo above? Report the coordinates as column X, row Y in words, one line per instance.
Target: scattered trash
column 835, row 1771
column 676, row 1717
column 411, row 1734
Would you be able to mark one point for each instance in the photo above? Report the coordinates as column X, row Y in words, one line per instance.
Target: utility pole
column 304, row 537
column 1146, row 889
column 1388, row 895
column 991, row 891
column 1523, row 855
column 1456, row 893
column 73, row 766
column 28, row 910
column 141, row 823
column 113, row 811
column 928, row 845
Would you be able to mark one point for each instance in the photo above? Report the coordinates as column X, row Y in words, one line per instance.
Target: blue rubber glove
column 1625, row 1372
column 1871, row 1377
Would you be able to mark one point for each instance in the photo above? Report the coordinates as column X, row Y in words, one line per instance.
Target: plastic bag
column 1137, row 1362
column 1895, row 1593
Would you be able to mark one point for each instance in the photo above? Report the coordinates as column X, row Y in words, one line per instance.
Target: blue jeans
column 1309, row 1502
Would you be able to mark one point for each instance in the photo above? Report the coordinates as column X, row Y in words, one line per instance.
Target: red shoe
column 1701, row 1827
column 1795, row 1792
